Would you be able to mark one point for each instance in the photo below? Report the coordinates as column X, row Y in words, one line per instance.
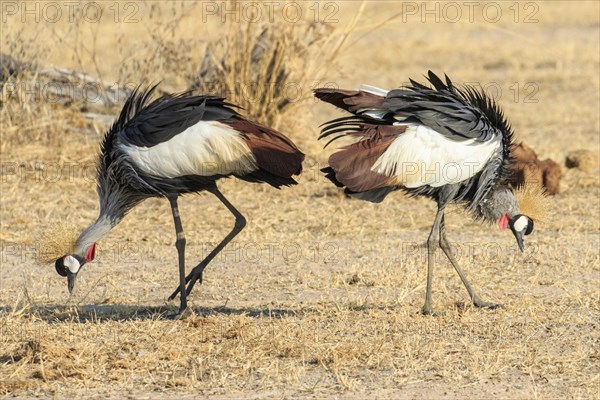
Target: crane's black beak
column 71, row 277
column 519, row 237
column 521, row 226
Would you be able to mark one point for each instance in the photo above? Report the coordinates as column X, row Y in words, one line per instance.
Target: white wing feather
column 373, row 90
column 422, row 156
column 207, row 148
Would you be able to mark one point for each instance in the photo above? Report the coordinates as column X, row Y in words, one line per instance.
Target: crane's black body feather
column 460, row 114
column 122, row 184
column 170, row 115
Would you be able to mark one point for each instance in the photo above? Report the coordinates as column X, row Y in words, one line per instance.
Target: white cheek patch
column 520, row 224
column 72, row 264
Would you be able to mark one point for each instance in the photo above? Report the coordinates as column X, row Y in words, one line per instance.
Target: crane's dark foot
column 429, row 311
column 180, row 314
column 477, row 302
column 195, row 275
column 183, row 314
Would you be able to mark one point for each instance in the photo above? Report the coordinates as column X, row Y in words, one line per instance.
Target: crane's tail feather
column 352, row 166
column 262, row 176
column 374, row 195
column 277, row 157
column 349, row 100
column 330, row 174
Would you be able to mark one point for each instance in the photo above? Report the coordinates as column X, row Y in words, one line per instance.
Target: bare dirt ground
column 319, row 296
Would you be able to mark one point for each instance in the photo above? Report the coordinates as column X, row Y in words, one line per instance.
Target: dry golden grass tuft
column 319, row 295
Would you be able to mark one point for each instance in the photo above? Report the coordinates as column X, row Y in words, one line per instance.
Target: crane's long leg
column 180, row 245
column 445, row 246
column 432, row 243
column 240, row 223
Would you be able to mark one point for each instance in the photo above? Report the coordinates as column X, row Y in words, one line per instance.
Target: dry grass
column 262, row 66
column 318, row 297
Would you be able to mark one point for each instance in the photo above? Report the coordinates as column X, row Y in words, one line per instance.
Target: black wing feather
column 458, row 113
column 436, row 82
column 142, row 123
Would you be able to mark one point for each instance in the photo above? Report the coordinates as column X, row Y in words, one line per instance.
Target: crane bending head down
column 173, row 145
column 410, row 139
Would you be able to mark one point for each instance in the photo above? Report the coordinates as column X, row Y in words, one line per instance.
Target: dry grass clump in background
column 270, row 69
column 24, row 117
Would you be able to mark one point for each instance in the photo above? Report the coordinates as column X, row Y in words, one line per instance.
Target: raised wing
column 459, row 114
column 443, row 108
column 182, row 135
column 411, row 137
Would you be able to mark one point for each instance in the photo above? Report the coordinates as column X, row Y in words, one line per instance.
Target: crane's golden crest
column 57, row 241
column 533, row 201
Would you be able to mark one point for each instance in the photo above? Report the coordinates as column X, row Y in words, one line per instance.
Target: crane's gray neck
column 94, row 232
column 498, row 202
column 115, row 201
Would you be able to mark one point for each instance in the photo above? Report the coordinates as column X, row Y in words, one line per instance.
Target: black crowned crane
column 447, row 143
column 174, row 145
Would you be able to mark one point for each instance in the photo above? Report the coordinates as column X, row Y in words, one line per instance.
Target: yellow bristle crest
column 533, row 201
column 57, row 241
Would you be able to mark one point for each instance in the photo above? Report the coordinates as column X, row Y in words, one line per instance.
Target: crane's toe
column 477, row 302
column 425, row 311
column 196, row 276
column 428, row 310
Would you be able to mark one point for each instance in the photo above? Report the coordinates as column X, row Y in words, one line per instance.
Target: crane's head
column 516, row 209
column 533, row 205
column 520, row 225
column 69, row 265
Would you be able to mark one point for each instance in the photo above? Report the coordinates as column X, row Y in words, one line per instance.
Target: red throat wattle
column 503, row 222
column 91, row 253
